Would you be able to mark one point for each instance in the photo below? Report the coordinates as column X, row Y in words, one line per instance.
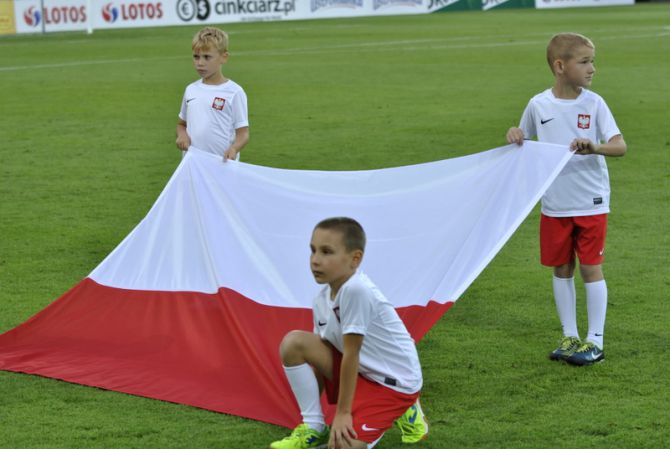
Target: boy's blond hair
column 563, row 46
column 210, row 38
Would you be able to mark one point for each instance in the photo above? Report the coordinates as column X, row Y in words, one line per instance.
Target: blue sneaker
column 566, row 348
column 413, row 424
column 587, row 354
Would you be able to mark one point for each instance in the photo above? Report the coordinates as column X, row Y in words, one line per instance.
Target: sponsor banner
column 542, row 4
column 131, row 14
column 225, row 11
column 33, row 16
column 353, row 8
column 454, row 5
column 507, row 4
column 64, row 15
column 7, row 19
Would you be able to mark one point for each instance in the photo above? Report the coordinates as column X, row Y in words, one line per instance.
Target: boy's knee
column 292, row 345
column 565, row 271
column 591, row 273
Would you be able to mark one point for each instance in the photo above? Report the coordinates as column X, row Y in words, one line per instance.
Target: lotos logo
column 55, row 15
column 32, row 16
column 132, row 11
column 110, row 13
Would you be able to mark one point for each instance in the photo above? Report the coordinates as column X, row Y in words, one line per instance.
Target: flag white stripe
column 432, row 228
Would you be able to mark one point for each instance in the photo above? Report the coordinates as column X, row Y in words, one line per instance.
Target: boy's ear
column 357, row 257
column 558, row 66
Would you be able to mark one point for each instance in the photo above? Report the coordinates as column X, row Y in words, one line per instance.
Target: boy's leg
column 590, row 248
column 305, row 356
column 557, row 251
column 306, row 359
column 596, row 302
column 596, row 309
column 565, row 298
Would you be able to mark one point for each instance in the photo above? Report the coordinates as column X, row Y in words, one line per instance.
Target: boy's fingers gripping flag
column 192, row 305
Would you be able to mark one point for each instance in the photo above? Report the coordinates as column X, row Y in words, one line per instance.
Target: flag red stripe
column 214, row 351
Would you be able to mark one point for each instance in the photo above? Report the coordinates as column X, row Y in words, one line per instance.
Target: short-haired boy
column 213, row 114
column 575, row 207
column 360, row 352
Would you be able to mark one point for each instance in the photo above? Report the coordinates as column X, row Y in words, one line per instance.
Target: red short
column 375, row 406
column 563, row 237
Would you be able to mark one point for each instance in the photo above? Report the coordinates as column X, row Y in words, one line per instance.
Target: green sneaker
column 587, row 354
column 303, row 437
column 413, row 424
column 565, row 349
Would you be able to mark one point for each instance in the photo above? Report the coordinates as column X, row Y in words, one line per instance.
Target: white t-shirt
column 388, row 354
column 582, row 188
column 213, row 113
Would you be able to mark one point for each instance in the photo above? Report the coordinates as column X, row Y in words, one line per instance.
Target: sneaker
column 303, row 437
column 565, row 349
column 413, row 424
column 587, row 354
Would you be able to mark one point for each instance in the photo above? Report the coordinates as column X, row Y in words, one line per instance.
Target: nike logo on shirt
column 542, row 122
column 323, row 324
column 190, row 99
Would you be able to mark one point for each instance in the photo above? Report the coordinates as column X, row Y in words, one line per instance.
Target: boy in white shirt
column 360, row 353
column 575, row 207
column 213, row 115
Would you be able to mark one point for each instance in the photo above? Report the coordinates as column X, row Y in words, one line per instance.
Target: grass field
column 87, row 143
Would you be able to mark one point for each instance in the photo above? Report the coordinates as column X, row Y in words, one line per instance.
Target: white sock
column 306, row 391
column 596, row 308
column 566, row 305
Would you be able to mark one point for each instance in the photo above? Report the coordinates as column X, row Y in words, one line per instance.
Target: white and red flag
column 192, row 305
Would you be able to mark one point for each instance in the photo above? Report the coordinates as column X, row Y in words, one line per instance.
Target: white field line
column 83, row 63
column 377, row 46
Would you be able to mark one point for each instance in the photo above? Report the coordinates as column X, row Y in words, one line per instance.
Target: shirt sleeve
column 606, row 125
column 183, row 110
column 356, row 310
column 315, row 328
column 527, row 123
column 240, row 110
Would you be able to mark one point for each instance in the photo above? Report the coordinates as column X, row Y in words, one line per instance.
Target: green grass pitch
column 87, row 143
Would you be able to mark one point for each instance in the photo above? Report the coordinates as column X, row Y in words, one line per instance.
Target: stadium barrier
column 43, row 16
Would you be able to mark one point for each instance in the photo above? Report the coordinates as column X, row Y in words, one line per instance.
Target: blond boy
column 575, row 207
column 213, row 115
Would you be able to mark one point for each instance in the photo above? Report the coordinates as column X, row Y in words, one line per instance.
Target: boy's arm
column 342, row 429
column 183, row 140
column 241, row 139
column 616, row 146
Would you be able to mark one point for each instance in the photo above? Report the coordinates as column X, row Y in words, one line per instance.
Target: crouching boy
column 360, row 353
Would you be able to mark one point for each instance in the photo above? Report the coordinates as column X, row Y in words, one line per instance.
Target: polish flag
column 192, row 305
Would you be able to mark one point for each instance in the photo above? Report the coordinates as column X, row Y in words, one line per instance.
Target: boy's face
column 207, row 62
column 579, row 69
column 330, row 261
